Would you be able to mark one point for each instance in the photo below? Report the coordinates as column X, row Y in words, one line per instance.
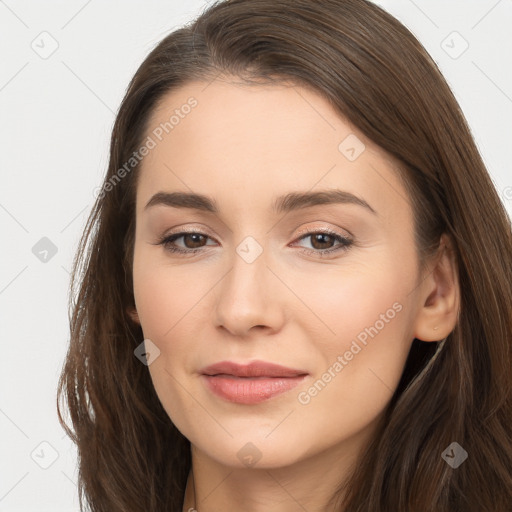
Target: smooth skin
column 244, row 146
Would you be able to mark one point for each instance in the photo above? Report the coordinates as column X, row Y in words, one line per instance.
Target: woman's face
column 262, row 284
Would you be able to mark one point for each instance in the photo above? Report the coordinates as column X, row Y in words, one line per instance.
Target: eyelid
column 186, row 229
column 325, row 229
column 309, row 230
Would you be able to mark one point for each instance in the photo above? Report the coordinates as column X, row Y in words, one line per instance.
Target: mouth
column 251, row 383
column 250, row 390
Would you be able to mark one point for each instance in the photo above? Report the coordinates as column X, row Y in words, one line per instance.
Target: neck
column 309, row 484
column 189, row 501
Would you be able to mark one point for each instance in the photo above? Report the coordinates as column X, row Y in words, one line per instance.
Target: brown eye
column 192, row 241
column 195, row 240
column 324, row 242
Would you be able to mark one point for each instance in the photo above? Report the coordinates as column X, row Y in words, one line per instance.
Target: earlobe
column 132, row 312
column 440, row 296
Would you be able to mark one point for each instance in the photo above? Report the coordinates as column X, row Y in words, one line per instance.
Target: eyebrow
column 283, row 204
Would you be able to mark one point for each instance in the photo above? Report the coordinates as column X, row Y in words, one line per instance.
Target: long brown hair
column 377, row 75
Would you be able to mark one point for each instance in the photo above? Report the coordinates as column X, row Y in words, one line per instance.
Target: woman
column 295, row 286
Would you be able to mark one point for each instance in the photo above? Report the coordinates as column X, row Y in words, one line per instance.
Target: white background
column 56, row 118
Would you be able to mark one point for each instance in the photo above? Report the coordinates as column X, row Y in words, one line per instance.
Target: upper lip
column 252, row 369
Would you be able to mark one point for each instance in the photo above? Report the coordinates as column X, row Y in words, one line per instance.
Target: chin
column 252, row 449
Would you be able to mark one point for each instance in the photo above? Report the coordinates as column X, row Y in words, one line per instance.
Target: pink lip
column 251, row 383
column 252, row 369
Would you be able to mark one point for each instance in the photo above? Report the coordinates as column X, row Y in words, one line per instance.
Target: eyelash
column 344, row 243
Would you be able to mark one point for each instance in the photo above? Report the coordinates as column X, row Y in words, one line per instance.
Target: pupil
column 194, row 236
column 318, row 238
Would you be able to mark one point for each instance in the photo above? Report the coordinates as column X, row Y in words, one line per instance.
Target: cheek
column 167, row 302
column 164, row 295
column 354, row 388
column 360, row 302
column 172, row 304
column 360, row 325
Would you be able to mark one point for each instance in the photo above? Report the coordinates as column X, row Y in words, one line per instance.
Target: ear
column 132, row 312
column 439, row 297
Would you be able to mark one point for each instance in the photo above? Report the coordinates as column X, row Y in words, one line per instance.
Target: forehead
column 224, row 113
column 223, row 138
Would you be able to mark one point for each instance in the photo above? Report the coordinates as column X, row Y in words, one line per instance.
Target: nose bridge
column 246, row 295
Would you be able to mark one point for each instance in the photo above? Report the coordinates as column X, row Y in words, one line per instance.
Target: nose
column 250, row 297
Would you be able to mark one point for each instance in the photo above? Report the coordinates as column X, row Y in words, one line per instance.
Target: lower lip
column 247, row 390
